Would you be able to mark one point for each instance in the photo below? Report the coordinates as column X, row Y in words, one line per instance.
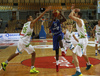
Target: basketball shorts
column 23, row 47
column 56, row 41
column 97, row 39
column 80, row 48
column 67, row 45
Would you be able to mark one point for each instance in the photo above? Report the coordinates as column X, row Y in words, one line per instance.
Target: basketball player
column 97, row 37
column 24, row 42
column 56, row 30
column 80, row 49
column 67, row 43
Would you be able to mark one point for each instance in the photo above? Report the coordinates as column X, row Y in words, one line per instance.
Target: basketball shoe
column 34, row 70
column 57, row 68
column 3, row 64
column 89, row 66
column 63, row 53
column 77, row 74
column 95, row 54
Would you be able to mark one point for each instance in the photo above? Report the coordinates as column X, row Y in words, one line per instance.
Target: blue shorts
column 56, row 42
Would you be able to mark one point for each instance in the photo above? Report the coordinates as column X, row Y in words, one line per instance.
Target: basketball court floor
column 45, row 60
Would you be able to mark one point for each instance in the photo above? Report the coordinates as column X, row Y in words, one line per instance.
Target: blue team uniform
column 56, row 31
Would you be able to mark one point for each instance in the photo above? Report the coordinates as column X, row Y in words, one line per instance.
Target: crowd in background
column 19, row 24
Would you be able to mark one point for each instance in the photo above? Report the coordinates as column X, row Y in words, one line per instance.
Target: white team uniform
column 24, row 41
column 67, row 41
column 80, row 48
column 97, row 34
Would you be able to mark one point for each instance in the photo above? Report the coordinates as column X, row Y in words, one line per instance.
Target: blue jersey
column 56, row 28
column 57, row 31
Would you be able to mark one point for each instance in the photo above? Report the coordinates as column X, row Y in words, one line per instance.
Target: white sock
column 57, row 62
column 95, row 51
column 32, row 67
column 63, row 49
column 6, row 61
column 98, row 48
column 78, row 69
column 88, row 63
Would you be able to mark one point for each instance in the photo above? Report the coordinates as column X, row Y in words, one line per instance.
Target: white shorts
column 97, row 39
column 67, row 45
column 81, row 50
column 22, row 46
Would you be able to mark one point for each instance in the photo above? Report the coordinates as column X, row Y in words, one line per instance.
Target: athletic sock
column 63, row 49
column 95, row 51
column 78, row 69
column 57, row 62
column 32, row 67
column 98, row 48
column 88, row 63
column 6, row 61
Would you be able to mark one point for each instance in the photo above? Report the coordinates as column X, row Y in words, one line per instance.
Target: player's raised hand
column 73, row 6
column 49, row 8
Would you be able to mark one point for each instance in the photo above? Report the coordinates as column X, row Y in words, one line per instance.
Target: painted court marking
column 14, row 43
column 63, row 62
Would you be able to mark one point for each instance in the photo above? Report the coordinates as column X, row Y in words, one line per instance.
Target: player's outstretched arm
column 35, row 20
column 73, row 17
column 75, row 37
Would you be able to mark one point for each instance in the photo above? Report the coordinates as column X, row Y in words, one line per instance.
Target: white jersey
column 81, row 30
column 97, row 30
column 80, row 48
column 68, row 36
column 26, row 33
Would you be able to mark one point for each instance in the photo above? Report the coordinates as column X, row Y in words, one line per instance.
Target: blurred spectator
column 1, row 20
column 6, row 25
column 11, row 19
column 89, row 29
column 33, row 35
column 19, row 25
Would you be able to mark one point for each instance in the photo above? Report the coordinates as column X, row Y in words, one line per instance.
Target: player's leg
column 99, row 48
column 18, row 50
column 33, row 70
column 99, row 44
column 96, row 45
column 65, row 46
column 76, row 63
column 72, row 56
column 30, row 50
column 77, row 51
column 71, row 47
column 96, row 48
column 4, row 64
column 88, row 62
column 61, row 44
column 57, row 59
column 86, row 58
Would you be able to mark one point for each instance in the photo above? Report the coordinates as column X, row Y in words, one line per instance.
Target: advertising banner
column 9, row 36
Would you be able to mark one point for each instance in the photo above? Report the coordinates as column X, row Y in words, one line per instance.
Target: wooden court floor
column 15, row 68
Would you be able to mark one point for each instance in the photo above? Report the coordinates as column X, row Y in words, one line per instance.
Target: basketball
column 56, row 13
